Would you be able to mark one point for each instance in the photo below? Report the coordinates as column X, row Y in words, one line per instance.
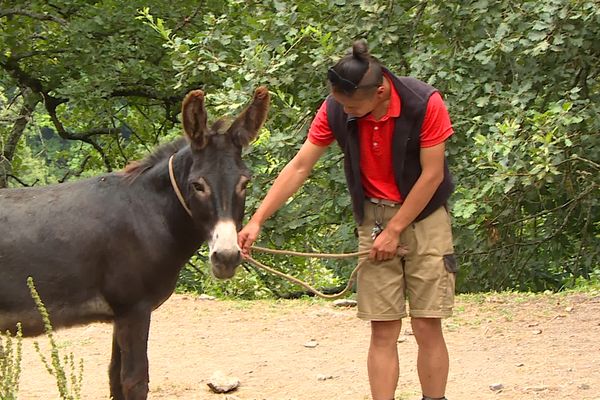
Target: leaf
column 482, row 101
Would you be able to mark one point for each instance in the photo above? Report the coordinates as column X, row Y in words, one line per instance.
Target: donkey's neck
column 157, row 184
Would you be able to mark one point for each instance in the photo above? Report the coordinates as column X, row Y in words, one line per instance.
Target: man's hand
column 386, row 246
column 247, row 236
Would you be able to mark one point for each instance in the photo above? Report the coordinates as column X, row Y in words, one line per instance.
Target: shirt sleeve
column 437, row 126
column 319, row 132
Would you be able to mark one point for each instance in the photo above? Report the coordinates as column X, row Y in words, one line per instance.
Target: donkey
column 111, row 248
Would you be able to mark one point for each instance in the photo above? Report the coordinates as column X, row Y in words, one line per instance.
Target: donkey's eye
column 199, row 187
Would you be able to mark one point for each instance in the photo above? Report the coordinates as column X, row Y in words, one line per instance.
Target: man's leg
column 382, row 362
column 432, row 360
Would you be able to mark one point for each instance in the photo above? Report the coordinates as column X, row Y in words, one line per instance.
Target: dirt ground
column 535, row 346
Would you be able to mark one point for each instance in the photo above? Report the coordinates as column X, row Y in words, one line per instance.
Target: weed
column 10, row 364
column 69, row 387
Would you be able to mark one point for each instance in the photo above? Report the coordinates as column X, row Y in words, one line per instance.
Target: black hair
column 356, row 70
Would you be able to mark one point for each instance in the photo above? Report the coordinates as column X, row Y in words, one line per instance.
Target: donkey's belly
column 64, row 315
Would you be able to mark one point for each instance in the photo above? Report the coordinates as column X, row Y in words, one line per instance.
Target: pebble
column 496, row 387
column 322, row 377
column 345, row 303
column 221, row 383
column 584, row 386
column 311, row 344
column 206, row 297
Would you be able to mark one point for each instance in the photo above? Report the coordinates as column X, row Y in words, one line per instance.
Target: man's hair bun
column 360, row 50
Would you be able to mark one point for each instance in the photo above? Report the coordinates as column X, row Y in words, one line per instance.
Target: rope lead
column 305, row 285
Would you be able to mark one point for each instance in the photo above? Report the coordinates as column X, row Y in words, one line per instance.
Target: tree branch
column 30, row 101
column 542, row 213
column 11, row 65
column 186, row 20
column 22, row 182
column 547, row 238
column 85, row 137
column 19, row 57
column 78, row 172
column 34, row 15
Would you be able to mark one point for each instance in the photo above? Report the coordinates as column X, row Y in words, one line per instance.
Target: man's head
column 356, row 80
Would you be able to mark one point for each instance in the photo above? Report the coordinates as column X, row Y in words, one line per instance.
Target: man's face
column 359, row 103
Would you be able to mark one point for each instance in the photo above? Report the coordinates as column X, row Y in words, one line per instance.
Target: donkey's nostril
column 231, row 258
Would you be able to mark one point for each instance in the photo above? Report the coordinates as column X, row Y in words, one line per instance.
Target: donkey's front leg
column 131, row 334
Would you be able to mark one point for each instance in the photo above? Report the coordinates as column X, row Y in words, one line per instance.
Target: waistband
column 383, row 202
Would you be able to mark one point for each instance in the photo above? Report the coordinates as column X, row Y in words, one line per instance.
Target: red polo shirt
column 376, row 141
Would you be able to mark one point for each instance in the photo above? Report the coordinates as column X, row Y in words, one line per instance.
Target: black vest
column 414, row 96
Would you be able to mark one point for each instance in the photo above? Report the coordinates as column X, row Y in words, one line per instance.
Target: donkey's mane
column 135, row 168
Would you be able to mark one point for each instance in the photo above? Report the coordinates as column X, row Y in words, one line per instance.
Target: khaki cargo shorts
column 425, row 276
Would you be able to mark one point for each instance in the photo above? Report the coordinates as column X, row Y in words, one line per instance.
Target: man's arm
column 289, row 180
column 432, row 175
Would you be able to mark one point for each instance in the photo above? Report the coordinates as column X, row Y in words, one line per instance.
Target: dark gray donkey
column 110, row 248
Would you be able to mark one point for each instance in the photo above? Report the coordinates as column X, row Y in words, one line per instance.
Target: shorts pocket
column 450, row 263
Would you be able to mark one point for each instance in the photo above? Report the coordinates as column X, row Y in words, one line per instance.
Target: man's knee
column 385, row 333
column 427, row 330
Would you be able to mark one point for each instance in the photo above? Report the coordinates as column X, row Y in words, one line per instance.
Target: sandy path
column 537, row 347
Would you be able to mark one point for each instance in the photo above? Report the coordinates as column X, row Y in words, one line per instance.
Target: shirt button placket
column 376, row 138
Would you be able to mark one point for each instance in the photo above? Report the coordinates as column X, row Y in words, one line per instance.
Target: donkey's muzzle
column 224, row 263
column 225, row 254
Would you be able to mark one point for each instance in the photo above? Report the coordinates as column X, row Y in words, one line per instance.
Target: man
column 392, row 131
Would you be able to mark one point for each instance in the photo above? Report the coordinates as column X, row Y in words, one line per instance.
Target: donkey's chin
column 223, row 272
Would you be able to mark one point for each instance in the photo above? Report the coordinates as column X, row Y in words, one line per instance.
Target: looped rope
column 283, row 252
column 176, row 187
column 305, row 285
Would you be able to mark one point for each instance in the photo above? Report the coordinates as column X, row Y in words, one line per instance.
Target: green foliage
column 526, row 209
column 585, row 285
column 10, row 364
column 106, row 84
column 69, row 385
column 537, row 205
column 520, row 81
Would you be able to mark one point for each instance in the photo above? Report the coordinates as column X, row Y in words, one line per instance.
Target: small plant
column 69, row 387
column 10, row 364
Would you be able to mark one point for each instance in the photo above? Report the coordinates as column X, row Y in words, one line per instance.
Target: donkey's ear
column 246, row 126
column 194, row 119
